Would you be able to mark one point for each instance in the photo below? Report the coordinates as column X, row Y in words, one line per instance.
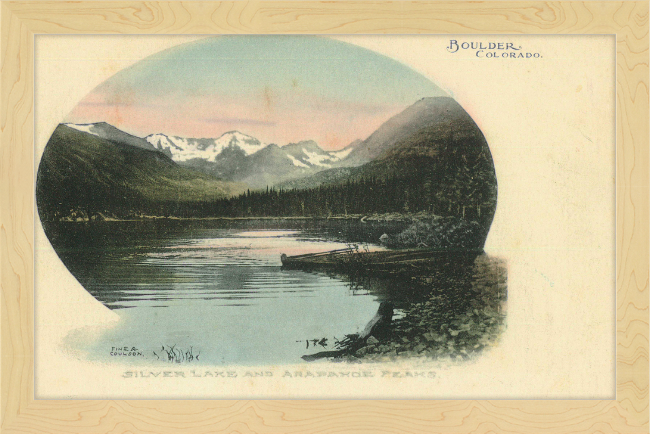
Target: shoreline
column 363, row 218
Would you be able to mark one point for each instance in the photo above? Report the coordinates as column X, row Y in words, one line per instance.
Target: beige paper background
column 550, row 126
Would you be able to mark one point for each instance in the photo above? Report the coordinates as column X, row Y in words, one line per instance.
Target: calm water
column 216, row 290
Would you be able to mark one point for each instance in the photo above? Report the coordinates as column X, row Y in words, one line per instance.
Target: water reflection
column 218, row 289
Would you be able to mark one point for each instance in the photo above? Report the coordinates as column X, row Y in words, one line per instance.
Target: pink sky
column 271, row 118
column 279, row 89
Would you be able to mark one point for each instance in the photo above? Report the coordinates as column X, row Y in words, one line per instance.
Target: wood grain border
column 21, row 413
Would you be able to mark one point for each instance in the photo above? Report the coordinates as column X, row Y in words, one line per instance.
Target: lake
column 214, row 292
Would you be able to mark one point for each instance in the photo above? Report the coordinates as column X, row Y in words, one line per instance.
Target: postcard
column 254, row 216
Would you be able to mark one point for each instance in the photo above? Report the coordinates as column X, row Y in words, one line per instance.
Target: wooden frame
column 22, row 413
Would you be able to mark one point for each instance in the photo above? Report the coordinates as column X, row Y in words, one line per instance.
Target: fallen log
column 384, row 261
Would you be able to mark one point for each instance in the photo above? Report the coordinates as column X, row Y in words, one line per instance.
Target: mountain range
column 428, row 136
column 182, row 149
column 104, row 171
column 233, row 156
column 431, row 157
column 435, row 150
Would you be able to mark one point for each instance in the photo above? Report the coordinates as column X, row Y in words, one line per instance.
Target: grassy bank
column 451, row 312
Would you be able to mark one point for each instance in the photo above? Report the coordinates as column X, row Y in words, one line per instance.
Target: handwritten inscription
column 166, row 353
column 492, row 50
column 126, row 352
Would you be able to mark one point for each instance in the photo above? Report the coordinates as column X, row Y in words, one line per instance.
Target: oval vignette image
column 271, row 200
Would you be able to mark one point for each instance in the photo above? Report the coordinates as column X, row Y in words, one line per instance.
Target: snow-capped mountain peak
column 86, row 128
column 109, row 132
column 308, row 154
column 303, row 155
column 247, row 143
column 184, row 149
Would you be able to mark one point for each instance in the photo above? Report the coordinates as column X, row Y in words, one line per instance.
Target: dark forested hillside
column 436, row 160
column 430, row 159
column 83, row 176
column 405, row 193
